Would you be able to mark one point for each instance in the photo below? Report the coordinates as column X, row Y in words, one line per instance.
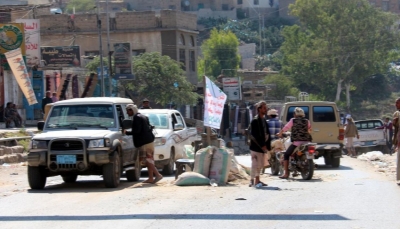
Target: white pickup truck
column 371, row 138
column 171, row 134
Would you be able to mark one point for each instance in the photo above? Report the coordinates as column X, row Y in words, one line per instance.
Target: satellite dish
column 187, row 3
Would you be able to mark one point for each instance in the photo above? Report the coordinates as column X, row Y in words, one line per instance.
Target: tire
column 134, row 174
column 335, row 162
column 275, row 167
column 112, row 171
column 69, row 178
column 36, row 177
column 169, row 168
column 308, row 174
column 328, row 160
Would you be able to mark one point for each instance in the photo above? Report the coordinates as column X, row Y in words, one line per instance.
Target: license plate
column 66, row 159
column 368, row 143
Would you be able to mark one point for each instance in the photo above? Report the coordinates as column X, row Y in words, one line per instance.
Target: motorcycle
column 301, row 161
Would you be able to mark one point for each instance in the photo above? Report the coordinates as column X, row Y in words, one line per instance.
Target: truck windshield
column 160, row 121
column 74, row 116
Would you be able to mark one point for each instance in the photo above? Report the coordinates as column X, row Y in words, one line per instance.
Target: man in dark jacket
column 260, row 143
column 143, row 139
column 46, row 100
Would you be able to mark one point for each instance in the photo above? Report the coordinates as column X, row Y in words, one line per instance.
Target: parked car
column 371, row 138
column 171, row 134
column 83, row 136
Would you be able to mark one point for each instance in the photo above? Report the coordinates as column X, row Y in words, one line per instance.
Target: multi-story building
column 257, row 8
column 171, row 33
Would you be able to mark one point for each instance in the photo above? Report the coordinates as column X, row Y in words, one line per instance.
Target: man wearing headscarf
column 143, row 139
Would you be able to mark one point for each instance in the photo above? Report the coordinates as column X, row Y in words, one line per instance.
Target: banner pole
column 208, row 129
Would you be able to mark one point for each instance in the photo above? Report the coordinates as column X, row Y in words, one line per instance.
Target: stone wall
column 178, row 19
column 123, row 21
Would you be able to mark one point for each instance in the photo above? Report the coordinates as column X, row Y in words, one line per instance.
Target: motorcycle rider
column 300, row 134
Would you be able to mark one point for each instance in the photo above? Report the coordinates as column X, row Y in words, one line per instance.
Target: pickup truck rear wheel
column 69, row 178
column 112, row 171
column 36, row 177
column 134, row 174
column 169, row 168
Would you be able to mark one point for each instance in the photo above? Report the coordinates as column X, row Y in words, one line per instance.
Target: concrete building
column 171, row 33
column 257, row 8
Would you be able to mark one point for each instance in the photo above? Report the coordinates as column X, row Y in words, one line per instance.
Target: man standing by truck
column 143, row 139
column 260, row 143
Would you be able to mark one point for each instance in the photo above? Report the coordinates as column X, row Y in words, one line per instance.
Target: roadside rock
column 17, row 149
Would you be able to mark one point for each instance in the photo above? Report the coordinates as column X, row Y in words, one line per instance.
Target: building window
column 137, row 52
column 181, row 40
column 398, row 3
column 239, row 2
column 92, row 53
column 172, row 7
column 372, row 2
column 192, row 61
column 192, row 41
column 225, row 7
column 200, row 6
column 182, row 58
column 256, row 2
column 385, row 6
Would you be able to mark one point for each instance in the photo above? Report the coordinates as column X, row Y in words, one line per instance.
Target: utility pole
column 108, row 50
column 100, row 50
column 259, row 27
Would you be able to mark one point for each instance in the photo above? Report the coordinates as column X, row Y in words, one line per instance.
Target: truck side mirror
column 40, row 125
column 127, row 123
column 178, row 127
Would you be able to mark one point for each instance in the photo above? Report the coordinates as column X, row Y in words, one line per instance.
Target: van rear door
column 324, row 124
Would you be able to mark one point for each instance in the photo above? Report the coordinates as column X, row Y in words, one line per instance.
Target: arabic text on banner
column 214, row 100
column 18, row 68
column 32, row 40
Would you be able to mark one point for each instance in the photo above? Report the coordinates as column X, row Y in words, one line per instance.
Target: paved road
column 353, row 196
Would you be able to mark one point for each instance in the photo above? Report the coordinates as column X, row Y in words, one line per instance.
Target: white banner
column 20, row 72
column 214, row 100
column 231, row 88
column 32, row 40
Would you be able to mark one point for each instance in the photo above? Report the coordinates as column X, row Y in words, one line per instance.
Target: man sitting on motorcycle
column 300, row 134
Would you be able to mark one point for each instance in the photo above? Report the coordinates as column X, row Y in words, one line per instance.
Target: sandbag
column 237, row 171
column 188, row 152
column 221, row 165
column 202, row 160
column 191, row 179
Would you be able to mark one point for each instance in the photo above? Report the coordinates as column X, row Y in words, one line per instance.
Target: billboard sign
column 123, row 61
column 61, row 56
column 231, row 87
column 11, row 38
column 32, row 40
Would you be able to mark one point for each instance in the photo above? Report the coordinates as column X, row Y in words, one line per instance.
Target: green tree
column 220, row 52
column 95, row 63
column 161, row 79
column 338, row 44
column 81, row 5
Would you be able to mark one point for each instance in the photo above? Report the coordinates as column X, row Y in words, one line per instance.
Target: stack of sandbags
column 202, row 160
column 220, row 165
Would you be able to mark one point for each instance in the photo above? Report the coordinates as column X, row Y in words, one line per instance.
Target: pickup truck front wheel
column 169, row 168
column 36, row 177
column 112, row 171
column 134, row 174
